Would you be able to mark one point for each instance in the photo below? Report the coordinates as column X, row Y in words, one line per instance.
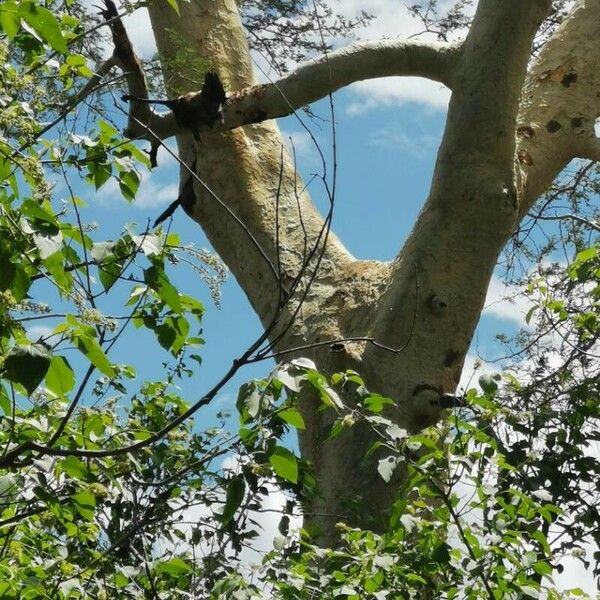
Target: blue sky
column 387, row 134
column 385, row 158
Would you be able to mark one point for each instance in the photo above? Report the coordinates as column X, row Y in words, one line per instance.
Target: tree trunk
column 427, row 302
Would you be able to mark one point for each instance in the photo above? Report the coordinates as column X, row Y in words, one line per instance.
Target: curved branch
column 312, row 81
column 317, row 78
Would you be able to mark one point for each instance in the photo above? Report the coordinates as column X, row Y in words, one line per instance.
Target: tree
column 92, row 492
column 514, row 122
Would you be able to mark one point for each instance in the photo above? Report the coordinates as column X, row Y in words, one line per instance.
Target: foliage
column 108, row 491
column 287, row 31
column 495, row 497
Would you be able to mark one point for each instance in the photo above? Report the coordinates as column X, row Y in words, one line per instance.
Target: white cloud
column 35, row 332
column 138, row 28
column 265, row 521
column 140, row 33
column 575, row 575
column 397, row 91
column 151, row 193
column 395, row 136
column 506, row 302
column 298, row 141
column 392, row 20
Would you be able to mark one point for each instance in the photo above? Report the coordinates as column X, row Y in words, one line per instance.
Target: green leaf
column 172, row 333
column 27, row 365
column 192, row 305
column 85, row 503
column 166, row 335
column 173, row 4
column 90, row 347
column 175, row 567
column 35, row 210
column 44, row 23
column 248, row 401
column 293, row 417
column 542, row 568
column 284, row 464
column 487, row 384
column 129, row 183
column 157, row 279
column 374, row 403
column 99, row 172
column 79, row 64
column 60, row 378
column 74, row 467
column 13, row 276
column 121, row 580
column 441, row 554
column 10, row 20
column 5, row 402
column 235, row 494
column 109, row 273
column 55, row 265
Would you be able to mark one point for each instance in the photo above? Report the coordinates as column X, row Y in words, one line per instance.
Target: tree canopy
column 411, row 489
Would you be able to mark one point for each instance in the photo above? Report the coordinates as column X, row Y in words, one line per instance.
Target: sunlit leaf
column 44, row 23
column 284, row 464
column 60, row 378
column 90, row 347
column 293, row 417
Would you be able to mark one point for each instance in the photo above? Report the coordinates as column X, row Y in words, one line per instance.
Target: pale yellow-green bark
column 431, row 296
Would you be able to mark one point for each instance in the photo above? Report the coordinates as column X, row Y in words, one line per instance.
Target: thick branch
column 245, row 172
column 316, row 78
column 470, row 212
column 591, row 148
column 561, row 102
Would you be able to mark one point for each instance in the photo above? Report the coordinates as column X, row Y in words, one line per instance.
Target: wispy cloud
column 506, row 302
column 398, row 137
column 152, row 192
column 140, row 33
column 298, row 142
column 35, row 332
column 397, row 91
column 391, row 20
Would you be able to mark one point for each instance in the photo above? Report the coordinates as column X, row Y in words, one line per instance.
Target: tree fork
column 431, row 296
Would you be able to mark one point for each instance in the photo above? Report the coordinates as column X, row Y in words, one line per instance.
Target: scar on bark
column 186, row 200
column 194, row 110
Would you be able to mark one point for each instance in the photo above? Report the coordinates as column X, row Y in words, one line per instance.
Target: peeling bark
column 511, row 128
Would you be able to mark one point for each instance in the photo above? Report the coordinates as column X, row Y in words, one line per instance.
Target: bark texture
column 499, row 153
